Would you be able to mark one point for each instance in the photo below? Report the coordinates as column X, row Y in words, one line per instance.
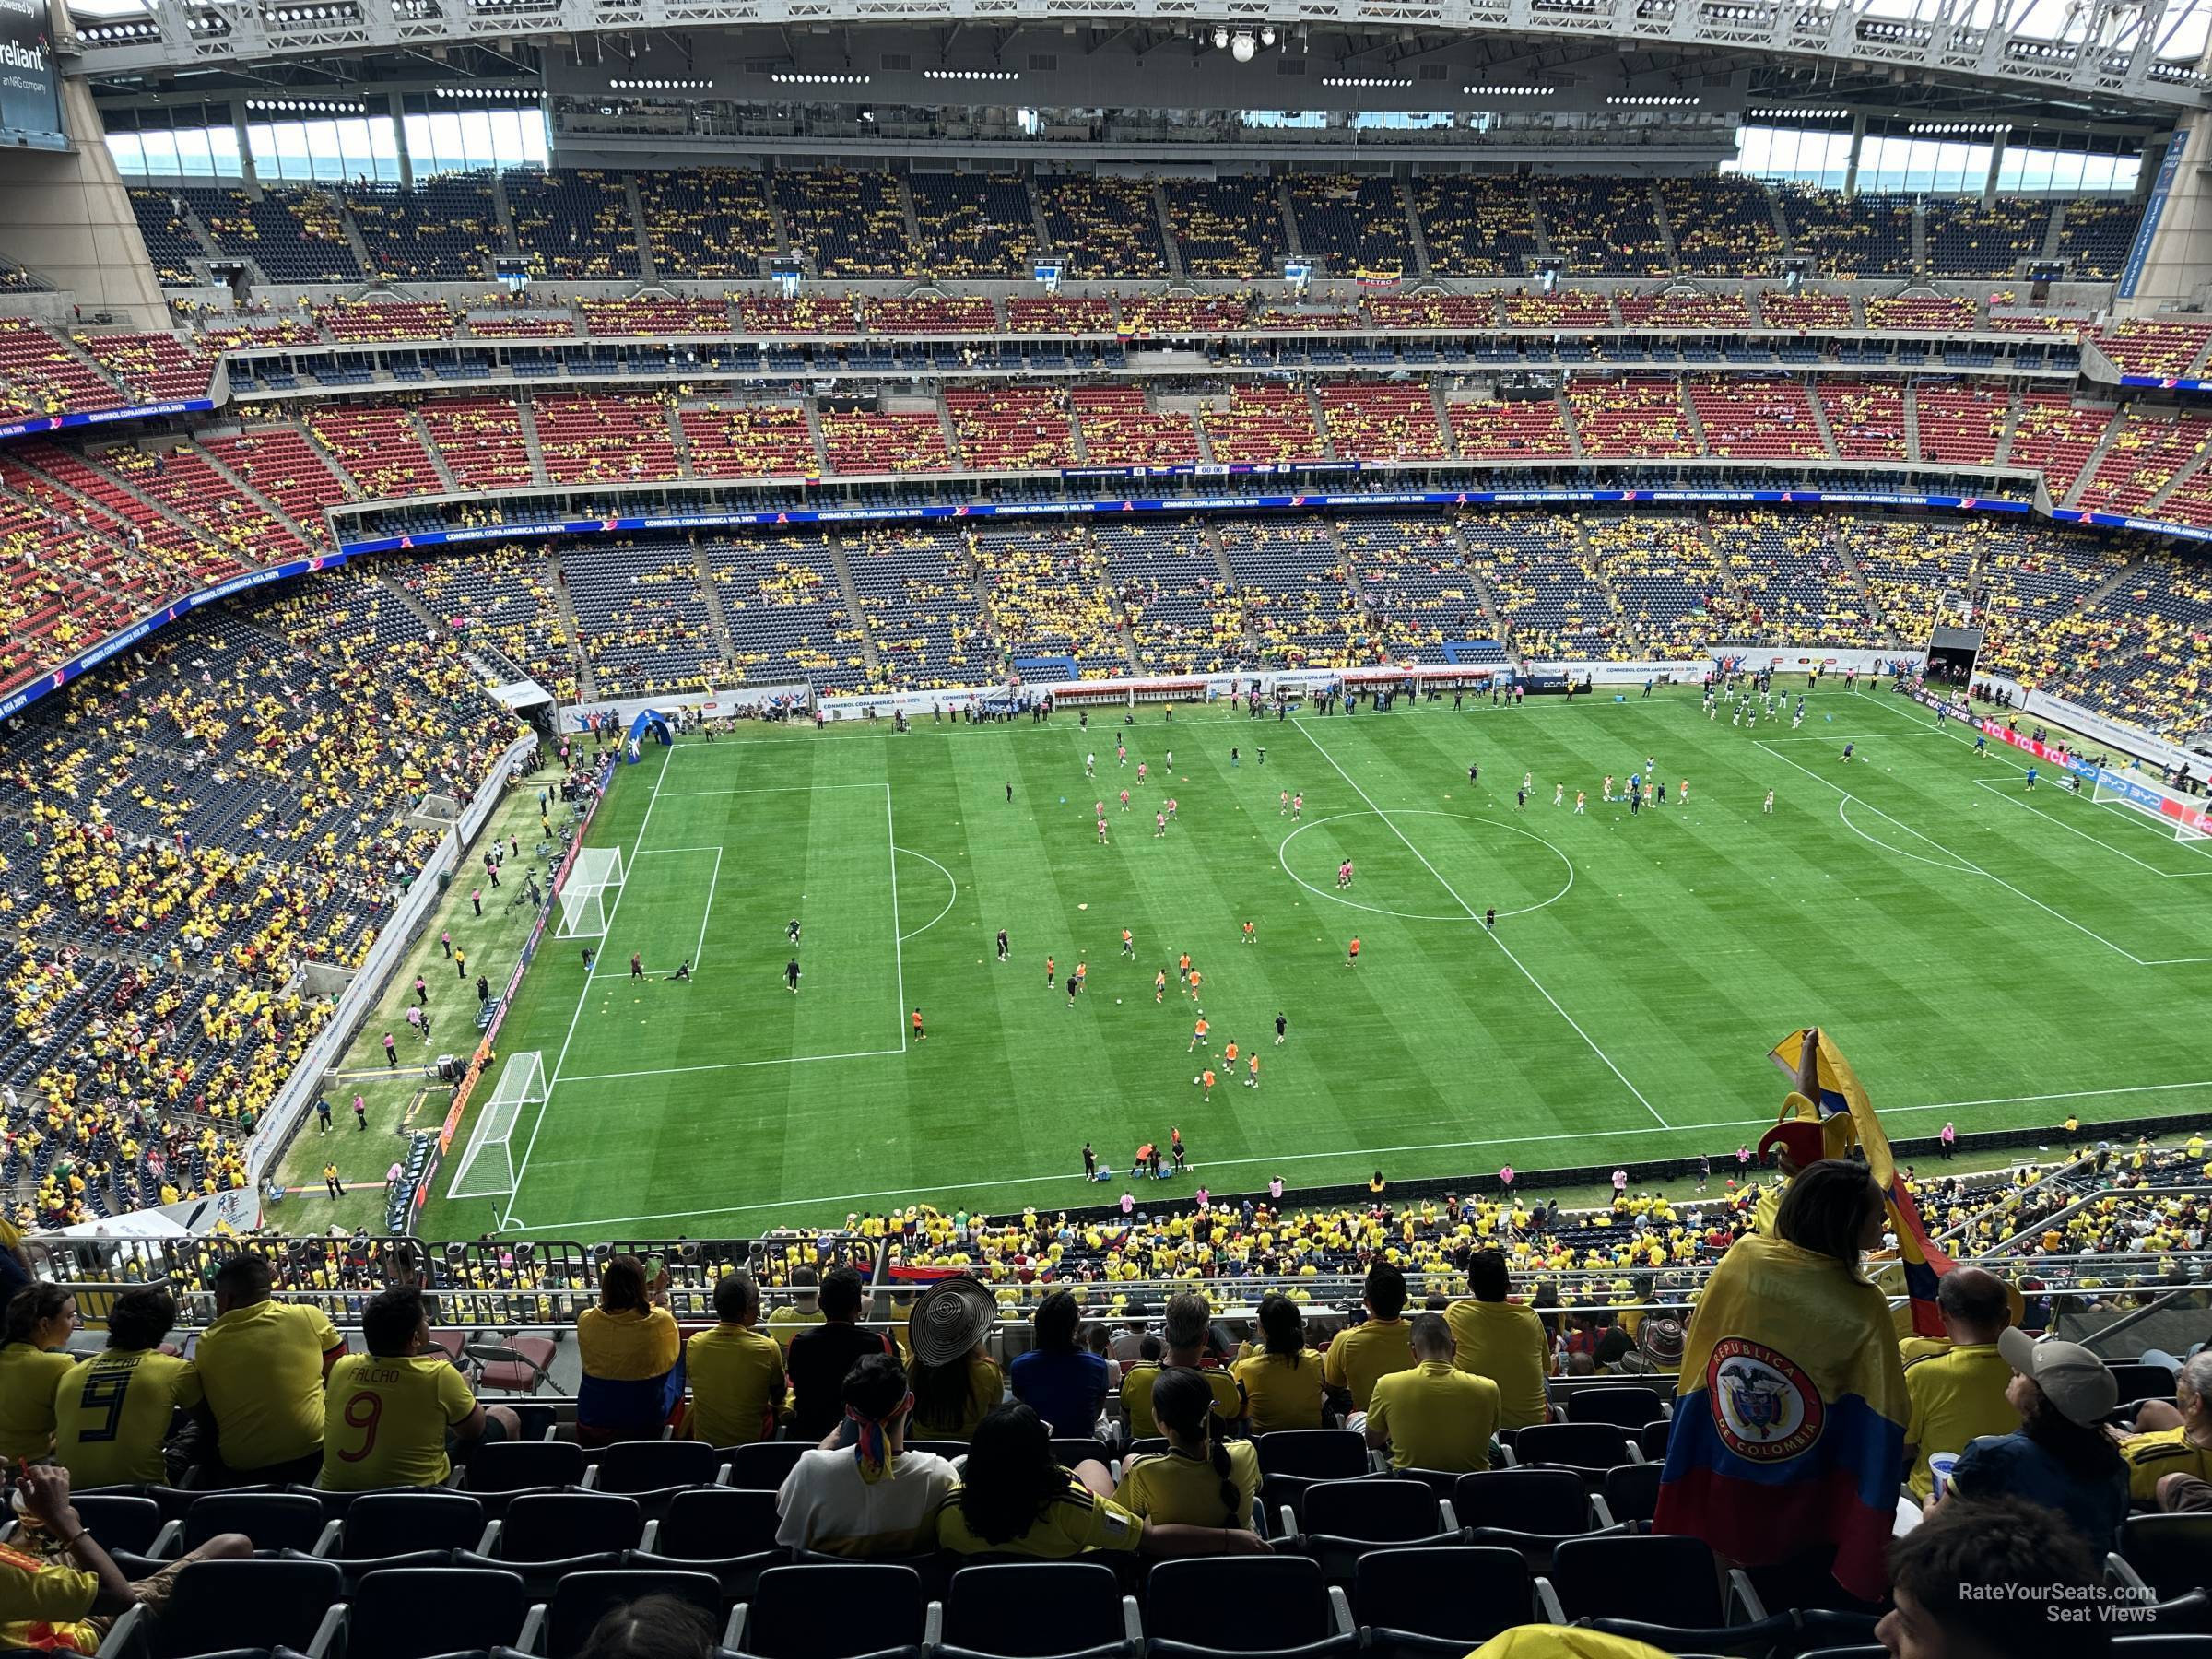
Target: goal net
column 594, row 881
column 487, row 1167
column 2182, row 815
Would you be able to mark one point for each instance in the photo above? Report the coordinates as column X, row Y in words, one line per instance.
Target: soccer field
column 1982, row 954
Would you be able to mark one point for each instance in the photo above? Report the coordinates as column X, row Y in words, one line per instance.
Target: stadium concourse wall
column 715, row 701
column 1550, row 676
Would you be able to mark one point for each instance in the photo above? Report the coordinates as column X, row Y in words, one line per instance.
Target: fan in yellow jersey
column 395, row 1415
column 261, row 1365
column 1203, row 1480
column 1014, row 1499
column 1182, row 1332
column 1376, row 1347
column 68, row 1604
column 1282, row 1382
column 40, row 1321
column 2177, row 1438
column 1497, row 1338
column 111, row 1413
column 737, row 1373
column 1435, row 1415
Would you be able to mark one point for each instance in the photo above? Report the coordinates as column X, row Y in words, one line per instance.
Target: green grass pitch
column 1984, row 955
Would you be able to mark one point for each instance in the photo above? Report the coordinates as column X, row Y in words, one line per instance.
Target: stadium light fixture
column 1243, row 48
column 1267, row 36
column 1221, row 38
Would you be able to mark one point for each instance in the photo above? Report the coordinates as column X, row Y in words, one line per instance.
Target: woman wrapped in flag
column 1789, row 1427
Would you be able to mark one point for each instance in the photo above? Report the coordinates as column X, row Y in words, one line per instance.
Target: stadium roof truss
column 2106, row 52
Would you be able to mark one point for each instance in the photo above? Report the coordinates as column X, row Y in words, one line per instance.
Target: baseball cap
column 2074, row 1379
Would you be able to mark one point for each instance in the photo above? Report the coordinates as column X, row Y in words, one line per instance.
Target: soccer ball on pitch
column 1198, row 1079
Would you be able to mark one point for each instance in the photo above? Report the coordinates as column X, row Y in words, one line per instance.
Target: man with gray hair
column 2170, row 1459
column 1183, row 1337
column 1959, row 1393
column 1435, row 1415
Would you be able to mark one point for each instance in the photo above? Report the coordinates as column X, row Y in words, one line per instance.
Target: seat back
column 214, row 1606
column 1466, row 1595
column 273, row 1520
column 762, row 1466
column 2173, row 1553
column 1631, row 1490
column 1652, row 1438
column 416, row 1612
column 1313, row 1453
column 120, row 1522
column 1535, row 1500
column 2142, row 1381
column 551, row 1526
column 824, row 1612
column 390, row 1524
column 1649, row 1577
column 582, row 1599
column 1574, row 1445
column 1625, row 1405
column 713, row 1522
column 517, row 1465
column 1032, row 1609
column 1239, row 1604
column 654, row 1465
column 1373, row 1511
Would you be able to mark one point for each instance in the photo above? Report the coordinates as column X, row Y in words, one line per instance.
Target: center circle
column 1510, row 877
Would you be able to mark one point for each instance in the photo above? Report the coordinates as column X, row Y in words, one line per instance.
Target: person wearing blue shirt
column 2060, row 1455
column 1059, row 1381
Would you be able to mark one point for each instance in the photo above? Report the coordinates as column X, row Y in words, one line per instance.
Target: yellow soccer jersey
column 112, row 1416
column 385, row 1421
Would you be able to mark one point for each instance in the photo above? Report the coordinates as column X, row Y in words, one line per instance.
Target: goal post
column 2184, row 816
column 486, row 1167
column 594, row 881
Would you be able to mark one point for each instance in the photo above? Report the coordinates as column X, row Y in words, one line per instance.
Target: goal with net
column 595, row 882
column 2182, row 815
column 486, row 1167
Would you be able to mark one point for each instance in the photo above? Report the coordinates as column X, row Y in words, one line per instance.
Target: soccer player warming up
column 1351, row 954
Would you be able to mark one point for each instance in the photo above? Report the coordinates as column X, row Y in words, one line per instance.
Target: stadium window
column 323, row 158
column 160, row 154
column 1799, row 155
column 194, row 161
column 278, row 149
column 1284, row 118
column 1882, row 163
column 129, row 151
column 1401, row 120
column 383, row 150
column 222, row 150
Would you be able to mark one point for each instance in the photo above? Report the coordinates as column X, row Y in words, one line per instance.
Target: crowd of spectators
column 1019, row 1402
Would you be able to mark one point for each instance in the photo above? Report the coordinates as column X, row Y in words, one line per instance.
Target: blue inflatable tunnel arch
column 653, row 721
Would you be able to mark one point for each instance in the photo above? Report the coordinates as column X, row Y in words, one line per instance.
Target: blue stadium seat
column 877, row 1609
column 426, row 1612
column 1038, row 1610
column 1440, row 1604
column 1253, row 1605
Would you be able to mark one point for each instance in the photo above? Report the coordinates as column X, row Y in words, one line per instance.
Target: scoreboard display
column 30, row 94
